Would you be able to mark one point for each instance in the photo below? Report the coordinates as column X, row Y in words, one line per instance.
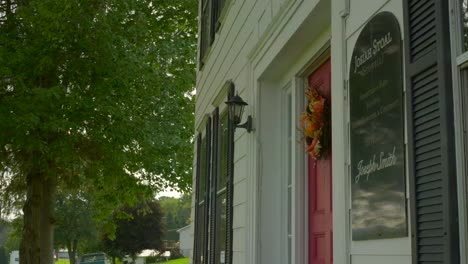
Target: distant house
column 185, row 240
column 140, row 259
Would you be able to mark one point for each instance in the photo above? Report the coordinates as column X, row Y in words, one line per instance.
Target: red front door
column 320, row 189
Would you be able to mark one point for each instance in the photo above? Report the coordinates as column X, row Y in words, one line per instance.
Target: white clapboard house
column 352, row 144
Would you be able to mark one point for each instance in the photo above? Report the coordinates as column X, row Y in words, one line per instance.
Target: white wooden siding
column 243, row 26
column 260, row 46
column 227, row 60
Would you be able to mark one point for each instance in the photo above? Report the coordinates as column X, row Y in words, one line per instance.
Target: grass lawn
column 66, row 261
column 177, row 261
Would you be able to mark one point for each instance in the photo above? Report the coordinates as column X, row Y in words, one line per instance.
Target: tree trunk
column 37, row 241
column 71, row 247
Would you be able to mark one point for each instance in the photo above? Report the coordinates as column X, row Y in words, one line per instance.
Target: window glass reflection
column 464, row 18
column 464, row 83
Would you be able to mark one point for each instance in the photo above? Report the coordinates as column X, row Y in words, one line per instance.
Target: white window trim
column 460, row 62
column 286, row 160
column 299, row 183
column 300, row 224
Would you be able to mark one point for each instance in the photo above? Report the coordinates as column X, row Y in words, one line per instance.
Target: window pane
column 201, row 237
column 220, row 252
column 464, row 80
column 203, row 171
column 223, row 151
column 464, row 20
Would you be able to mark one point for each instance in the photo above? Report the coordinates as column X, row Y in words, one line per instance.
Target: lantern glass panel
column 238, row 111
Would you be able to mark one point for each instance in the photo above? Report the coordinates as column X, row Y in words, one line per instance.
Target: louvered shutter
column 206, row 253
column 206, row 32
column 214, row 175
column 196, row 245
column 218, row 6
column 430, row 132
column 230, row 185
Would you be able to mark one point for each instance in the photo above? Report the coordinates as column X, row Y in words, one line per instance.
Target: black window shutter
column 206, row 32
column 431, row 157
column 214, row 176
column 218, row 6
column 230, row 185
column 196, row 245
column 202, row 32
column 207, row 193
column 214, row 20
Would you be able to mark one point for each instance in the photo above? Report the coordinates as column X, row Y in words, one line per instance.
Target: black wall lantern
column 236, row 109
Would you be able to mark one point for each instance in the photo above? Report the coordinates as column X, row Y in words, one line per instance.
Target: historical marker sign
column 377, row 141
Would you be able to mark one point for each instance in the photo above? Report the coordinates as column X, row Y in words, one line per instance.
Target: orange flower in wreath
column 313, row 120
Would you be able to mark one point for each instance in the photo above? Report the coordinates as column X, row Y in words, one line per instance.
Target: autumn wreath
column 315, row 123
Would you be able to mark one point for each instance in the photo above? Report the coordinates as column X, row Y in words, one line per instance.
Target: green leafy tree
column 5, row 228
column 138, row 228
column 184, row 209
column 176, row 214
column 14, row 236
column 88, row 246
column 92, row 92
column 74, row 223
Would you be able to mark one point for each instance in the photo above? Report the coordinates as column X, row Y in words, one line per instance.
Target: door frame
column 268, row 92
column 301, row 160
column 459, row 60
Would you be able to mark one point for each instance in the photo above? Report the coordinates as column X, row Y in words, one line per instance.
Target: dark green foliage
column 138, row 228
column 176, row 214
column 5, row 229
column 153, row 259
column 14, row 236
column 74, row 219
column 97, row 91
column 94, row 95
column 74, row 226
